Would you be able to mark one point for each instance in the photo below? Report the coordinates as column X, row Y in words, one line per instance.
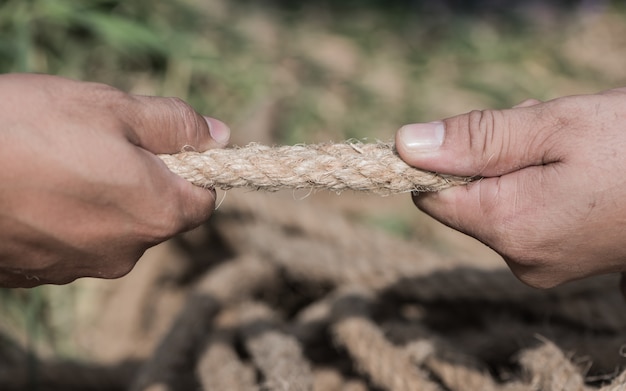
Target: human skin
column 551, row 200
column 82, row 192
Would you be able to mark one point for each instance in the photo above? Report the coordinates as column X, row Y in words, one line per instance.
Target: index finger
column 170, row 125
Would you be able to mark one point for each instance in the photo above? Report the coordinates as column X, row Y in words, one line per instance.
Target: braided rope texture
column 371, row 168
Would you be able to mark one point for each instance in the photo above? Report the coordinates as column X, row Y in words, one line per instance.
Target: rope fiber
column 371, row 168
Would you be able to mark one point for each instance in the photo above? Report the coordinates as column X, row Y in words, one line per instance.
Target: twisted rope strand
column 371, row 168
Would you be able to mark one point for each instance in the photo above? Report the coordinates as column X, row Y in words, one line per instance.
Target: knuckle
column 119, row 269
column 195, row 206
column 167, row 223
column 178, row 209
column 571, row 115
column 562, row 113
column 527, row 103
column 182, row 109
column 185, row 117
column 483, row 137
column 107, row 95
column 115, row 263
column 116, row 103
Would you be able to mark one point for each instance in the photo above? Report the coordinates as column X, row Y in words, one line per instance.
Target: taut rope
column 373, row 168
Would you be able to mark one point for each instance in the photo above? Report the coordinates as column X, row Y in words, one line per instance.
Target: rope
column 618, row 384
column 549, row 369
column 387, row 366
column 275, row 353
column 371, row 168
column 219, row 367
column 179, row 347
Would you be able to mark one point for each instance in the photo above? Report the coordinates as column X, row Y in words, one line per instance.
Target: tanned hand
column 82, row 193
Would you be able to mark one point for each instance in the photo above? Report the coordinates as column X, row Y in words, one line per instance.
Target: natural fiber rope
column 219, row 368
column 372, row 168
column 228, row 282
column 387, row 366
column 618, row 384
column 275, row 353
column 549, row 369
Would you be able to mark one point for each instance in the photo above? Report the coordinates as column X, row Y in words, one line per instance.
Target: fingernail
column 422, row 137
column 219, row 131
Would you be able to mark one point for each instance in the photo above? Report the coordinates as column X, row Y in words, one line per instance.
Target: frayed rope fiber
column 371, row 168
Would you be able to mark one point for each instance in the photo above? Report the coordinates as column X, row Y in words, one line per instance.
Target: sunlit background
column 285, row 72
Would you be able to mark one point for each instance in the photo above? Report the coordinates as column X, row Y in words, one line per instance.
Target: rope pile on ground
column 323, row 304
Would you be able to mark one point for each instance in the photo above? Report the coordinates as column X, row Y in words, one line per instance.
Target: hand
column 82, row 193
column 552, row 200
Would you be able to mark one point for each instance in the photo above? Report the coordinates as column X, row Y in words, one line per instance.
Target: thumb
column 169, row 125
column 480, row 143
column 518, row 142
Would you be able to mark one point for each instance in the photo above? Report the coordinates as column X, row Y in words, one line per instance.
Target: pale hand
column 552, row 200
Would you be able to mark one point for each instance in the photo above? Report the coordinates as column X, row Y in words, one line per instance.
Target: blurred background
column 285, row 72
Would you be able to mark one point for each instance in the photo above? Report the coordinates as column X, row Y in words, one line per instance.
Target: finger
column 170, row 125
column 527, row 103
column 480, row 143
column 500, row 213
column 184, row 205
column 621, row 91
column 196, row 204
column 490, row 207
